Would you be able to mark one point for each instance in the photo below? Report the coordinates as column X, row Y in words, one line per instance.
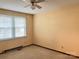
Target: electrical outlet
column 62, row 47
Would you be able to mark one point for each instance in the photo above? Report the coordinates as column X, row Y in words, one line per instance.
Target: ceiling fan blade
column 33, row 7
column 27, row 5
column 38, row 6
column 37, row 1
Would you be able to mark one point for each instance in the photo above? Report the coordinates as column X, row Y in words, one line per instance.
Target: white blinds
column 20, row 26
column 12, row 27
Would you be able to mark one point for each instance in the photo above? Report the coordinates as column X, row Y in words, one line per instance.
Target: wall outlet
column 62, row 47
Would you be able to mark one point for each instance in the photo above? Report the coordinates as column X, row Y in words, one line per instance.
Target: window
column 12, row 27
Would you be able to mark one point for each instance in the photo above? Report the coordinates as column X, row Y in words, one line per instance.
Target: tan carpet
column 34, row 52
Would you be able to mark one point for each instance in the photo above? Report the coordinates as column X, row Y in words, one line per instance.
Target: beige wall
column 8, row 44
column 58, row 29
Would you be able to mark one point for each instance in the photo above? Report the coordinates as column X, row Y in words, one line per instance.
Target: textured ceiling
column 18, row 5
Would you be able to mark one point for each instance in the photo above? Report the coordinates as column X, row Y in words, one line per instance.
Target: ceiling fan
column 34, row 4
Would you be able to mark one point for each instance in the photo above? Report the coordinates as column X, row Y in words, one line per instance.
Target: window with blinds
column 12, row 27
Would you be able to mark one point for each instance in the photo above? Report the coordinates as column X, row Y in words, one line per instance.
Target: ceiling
column 18, row 5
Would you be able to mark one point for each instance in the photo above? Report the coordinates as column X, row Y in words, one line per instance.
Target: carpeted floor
column 34, row 52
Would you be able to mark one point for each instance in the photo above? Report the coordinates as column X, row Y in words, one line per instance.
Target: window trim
column 13, row 31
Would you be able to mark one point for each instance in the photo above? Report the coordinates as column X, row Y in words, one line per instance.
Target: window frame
column 13, row 31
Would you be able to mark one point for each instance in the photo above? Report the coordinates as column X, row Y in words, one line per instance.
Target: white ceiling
column 18, row 5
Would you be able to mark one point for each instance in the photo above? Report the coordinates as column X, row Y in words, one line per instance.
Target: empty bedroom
column 39, row 29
